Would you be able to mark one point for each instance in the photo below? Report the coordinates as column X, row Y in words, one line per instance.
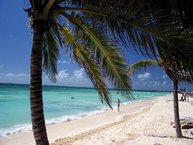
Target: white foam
column 74, row 117
column 15, row 129
column 28, row 127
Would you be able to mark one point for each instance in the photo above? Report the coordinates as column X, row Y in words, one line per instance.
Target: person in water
column 118, row 105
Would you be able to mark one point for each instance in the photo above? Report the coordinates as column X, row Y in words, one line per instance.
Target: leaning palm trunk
column 37, row 113
column 176, row 110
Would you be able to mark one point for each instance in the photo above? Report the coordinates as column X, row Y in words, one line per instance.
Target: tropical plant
column 173, row 43
column 172, row 31
column 90, row 47
column 144, row 65
column 180, row 11
column 152, row 27
column 158, row 28
column 89, row 31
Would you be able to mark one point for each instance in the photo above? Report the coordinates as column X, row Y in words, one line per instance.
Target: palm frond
column 143, row 65
column 46, row 10
column 140, row 27
column 94, row 73
column 82, row 57
column 124, row 24
column 106, row 53
column 175, row 59
column 54, row 28
column 51, row 55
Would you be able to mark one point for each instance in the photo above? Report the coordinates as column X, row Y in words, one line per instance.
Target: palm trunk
column 176, row 110
column 36, row 100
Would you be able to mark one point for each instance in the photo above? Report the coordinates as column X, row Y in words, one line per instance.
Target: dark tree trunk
column 176, row 110
column 36, row 100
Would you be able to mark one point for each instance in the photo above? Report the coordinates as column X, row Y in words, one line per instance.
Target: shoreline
column 26, row 127
column 148, row 127
column 68, row 140
column 64, row 129
column 144, row 122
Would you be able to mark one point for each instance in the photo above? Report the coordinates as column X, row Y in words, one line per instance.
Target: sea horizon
column 48, row 85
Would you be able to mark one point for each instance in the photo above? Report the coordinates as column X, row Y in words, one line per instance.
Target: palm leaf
column 93, row 70
column 94, row 73
column 143, row 65
column 138, row 28
column 109, row 57
column 45, row 12
column 51, row 55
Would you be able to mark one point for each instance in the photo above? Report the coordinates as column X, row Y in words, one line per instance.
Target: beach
column 144, row 122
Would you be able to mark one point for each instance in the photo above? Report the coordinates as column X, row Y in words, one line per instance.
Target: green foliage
column 51, row 54
column 143, row 65
column 92, row 46
column 82, row 56
column 101, row 26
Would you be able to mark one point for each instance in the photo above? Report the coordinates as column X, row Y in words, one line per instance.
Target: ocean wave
column 15, row 129
column 28, row 127
column 74, row 117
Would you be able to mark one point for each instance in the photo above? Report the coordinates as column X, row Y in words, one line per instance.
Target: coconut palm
column 176, row 45
column 153, row 28
column 152, row 31
column 178, row 66
column 180, row 11
column 90, row 47
column 145, row 64
column 87, row 30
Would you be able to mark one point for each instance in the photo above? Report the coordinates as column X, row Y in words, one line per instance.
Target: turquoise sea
column 60, row 104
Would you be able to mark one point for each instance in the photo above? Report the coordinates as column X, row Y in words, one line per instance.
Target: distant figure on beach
column 118, row 105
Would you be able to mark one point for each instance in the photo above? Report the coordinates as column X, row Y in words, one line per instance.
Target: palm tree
column 90, row 47
column 179, row 62
column 152, row 31
column 180, row 11
column 153, row 28
column 86, row 29
column 145, row 64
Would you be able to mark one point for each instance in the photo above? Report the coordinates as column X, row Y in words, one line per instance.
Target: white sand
column 145, row 122
column 148, row 127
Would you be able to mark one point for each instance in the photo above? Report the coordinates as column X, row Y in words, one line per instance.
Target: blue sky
column 15, row 48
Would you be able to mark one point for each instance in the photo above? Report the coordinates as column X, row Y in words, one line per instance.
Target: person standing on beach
column 118, row 105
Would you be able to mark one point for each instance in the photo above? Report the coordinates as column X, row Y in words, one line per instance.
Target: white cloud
column 62, row 74
column 78, row 74
column 164, row 83
column 144, row 76
column 70, row 78
column 63, row 62
column 16, row 75
column 14, row 78
column 156, row 84
column 164, row 76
